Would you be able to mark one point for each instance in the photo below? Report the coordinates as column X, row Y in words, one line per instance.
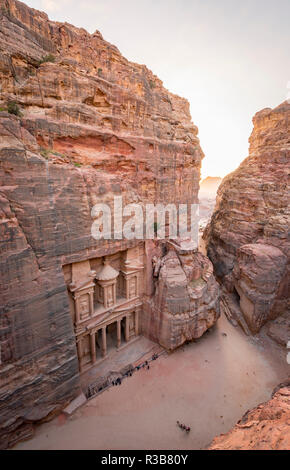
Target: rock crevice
column 248, row 236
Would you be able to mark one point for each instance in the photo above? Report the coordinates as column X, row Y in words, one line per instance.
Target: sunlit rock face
column 92, row 126
column 248, row 236
column 266, row 427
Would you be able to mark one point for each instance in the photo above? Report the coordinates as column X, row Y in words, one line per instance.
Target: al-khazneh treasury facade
column 106, row 302
column 164, row 290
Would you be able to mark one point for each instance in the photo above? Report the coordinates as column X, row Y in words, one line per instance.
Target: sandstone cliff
column 248, row 236
column 88, row 125
column 186, row 297
column 266, row 427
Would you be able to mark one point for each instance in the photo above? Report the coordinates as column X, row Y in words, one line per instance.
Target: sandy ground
column 208, row 385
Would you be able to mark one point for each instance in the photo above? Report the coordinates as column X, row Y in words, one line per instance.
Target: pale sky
column 229, row 58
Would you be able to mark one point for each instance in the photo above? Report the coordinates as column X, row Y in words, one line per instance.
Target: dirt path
column 208, row 385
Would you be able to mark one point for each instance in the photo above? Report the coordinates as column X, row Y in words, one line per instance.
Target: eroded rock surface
column 266, row 427
column 279, row 330
column 248, row 236
column 90, row 125
column 185, row 302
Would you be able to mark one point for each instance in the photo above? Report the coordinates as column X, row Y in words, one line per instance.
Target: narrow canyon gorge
column 80, row 125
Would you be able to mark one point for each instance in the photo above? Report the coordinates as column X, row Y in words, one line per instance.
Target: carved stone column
column 137, row 322
column 93, row 347
column 127, row 329
column 104, row 341
column 118, row 333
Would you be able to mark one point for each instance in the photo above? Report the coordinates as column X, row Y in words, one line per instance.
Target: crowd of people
column 93, row 390
column 129, row 373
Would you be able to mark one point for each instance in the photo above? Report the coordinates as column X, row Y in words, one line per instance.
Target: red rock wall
column 248, row 236
column 184, row 302
column 92, row 125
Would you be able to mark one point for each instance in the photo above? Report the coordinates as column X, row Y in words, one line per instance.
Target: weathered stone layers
column 185, row 296
column 266, row 427
column 248, row 236
column 90, row 125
